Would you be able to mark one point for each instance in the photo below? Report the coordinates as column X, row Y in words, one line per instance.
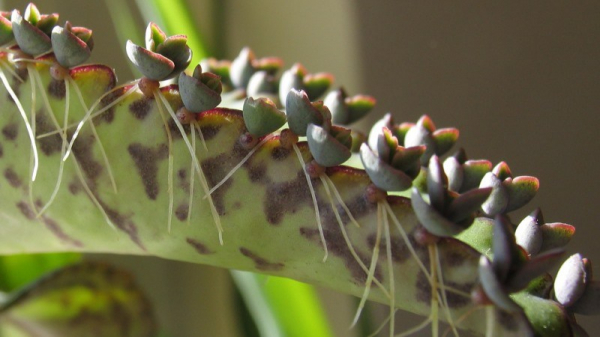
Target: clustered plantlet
column 450, row 250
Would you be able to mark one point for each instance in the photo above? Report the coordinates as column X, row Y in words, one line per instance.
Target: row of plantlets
column 89, row 166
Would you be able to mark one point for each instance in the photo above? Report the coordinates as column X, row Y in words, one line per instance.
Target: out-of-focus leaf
column 18, row 270
column 297, row 308
column 86, row 299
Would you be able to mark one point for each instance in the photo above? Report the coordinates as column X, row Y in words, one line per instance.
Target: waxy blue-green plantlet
column 178, row 171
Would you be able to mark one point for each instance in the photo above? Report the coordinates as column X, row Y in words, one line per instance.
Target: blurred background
column 521, row 80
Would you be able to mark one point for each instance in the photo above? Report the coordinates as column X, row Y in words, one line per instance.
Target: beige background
column 520, row 79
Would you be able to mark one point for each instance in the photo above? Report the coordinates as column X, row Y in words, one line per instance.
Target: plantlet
column 451, row 251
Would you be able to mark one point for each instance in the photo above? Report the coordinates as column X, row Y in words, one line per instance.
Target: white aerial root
column 62, row 150
column 197, row 126
column 325, row 179
column 314, row 198
column 442, row 289
column 415, row 329
column 434, row 294
column 407, row 241
column 170, row 159
column 90, row 115
column 342, row 203
column 236, row 167
column 93, row 127
column 35, row 77
column 195, row 162
column 388, row 248
column 191, row 196
column 27, row 124
column 371, row 271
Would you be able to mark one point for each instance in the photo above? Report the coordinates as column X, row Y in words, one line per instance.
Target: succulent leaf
column 325, row 148
column 69, row 49
column 262, row 116
column 571, row 281
column 152, row 65
column 31, row 40
column 200, row 92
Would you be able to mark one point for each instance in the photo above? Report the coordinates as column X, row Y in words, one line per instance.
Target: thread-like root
column 191, row 196
column 314, row 198
column 62, row 150
column 407, row 241
column 90, row 115
column 442, row 289
column 415, row 329
column 371, row 271
column 197, row 126
column 170, row 162
column 390, row 262
column 109, row 170
column 25, row 120
column 236, row 167
column 342, row 203
column 10, row 70
column 195, row 162
column 325, row 179
column 35, row 76
column 434, row 294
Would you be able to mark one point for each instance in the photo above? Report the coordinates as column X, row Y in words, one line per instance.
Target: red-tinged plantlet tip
column 72, row 46
column 163, row 58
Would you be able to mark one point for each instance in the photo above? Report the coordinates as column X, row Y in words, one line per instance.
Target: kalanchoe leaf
column 359, row 106
column 32, row 14
column 261, row 83
column 571, row 281
column 220, row 68
column 589, row 302
column 521, row 190
column 437, row 184
column 503, row 247
column 387, row 121
column 534, row 268
column 317, row 84
column 556, row 235
column 435, row 222
column 325, row 148
column 346, row 110
column 493, row 287
column 386, row 145
column 382, row 174
column 262, row 116
column 455, row 173
column 69, row 49
column 47, row 23
column 444, row 139
column 336, row 103
column 301, row 112
column 291, row 79
column 466, row 204
column 529, row 232
column 463, row 174
column 242, row 69
column 200, row 92
column 152, row 65
column 6, row 33
column 498, row 200
column 269, row 64
column 408, row 159
column 502, row 171
column 85, row 35
column 175, row 48
column 474, row 171
column 164, row 57
column 154, row 36
column 31, row 40
column 358, row 138
column 424, row 133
